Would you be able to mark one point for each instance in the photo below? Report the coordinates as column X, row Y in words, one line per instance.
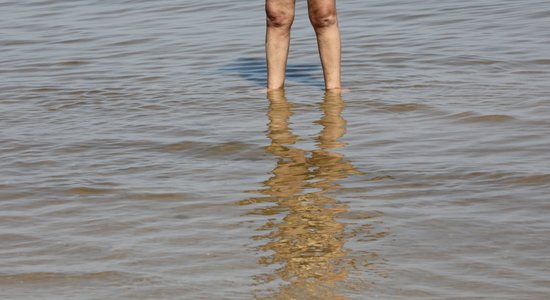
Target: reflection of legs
column 279, row 113
column 334, row 125
column 291, row 173
column 280, row 15
column 322, row 14
column 328, row 165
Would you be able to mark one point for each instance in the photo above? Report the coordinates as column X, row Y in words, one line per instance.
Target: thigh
column 321, row 7
column 279, row 7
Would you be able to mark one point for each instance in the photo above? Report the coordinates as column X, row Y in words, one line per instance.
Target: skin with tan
column 323, row 18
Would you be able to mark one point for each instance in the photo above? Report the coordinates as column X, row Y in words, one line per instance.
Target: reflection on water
column 308, row 242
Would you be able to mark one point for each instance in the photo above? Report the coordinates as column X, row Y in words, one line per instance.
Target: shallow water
column 140, row 159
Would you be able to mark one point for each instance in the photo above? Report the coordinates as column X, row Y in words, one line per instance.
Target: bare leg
column 322, row 14
column 280, row 15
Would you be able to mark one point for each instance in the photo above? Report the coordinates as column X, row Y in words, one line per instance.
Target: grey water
column 140, row 157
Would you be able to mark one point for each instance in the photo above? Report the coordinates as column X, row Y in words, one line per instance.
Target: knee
column 279, row 19
column 323, row 18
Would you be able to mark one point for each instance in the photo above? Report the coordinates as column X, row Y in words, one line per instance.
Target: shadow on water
column 304, row 238
column 255, row 70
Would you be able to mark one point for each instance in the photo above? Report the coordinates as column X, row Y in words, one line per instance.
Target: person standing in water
column 323, row 18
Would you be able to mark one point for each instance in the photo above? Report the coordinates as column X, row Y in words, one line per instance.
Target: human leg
column 323, row 17
column 280, row 15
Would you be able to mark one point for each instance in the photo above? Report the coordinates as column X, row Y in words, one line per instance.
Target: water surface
column 140, row 159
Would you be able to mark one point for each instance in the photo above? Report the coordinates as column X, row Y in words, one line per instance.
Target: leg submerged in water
column 280, row 15
column 323, row 18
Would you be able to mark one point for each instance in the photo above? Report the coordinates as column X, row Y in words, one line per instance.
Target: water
column 140, row 159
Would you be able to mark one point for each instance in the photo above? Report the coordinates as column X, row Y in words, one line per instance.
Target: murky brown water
column 139, row 159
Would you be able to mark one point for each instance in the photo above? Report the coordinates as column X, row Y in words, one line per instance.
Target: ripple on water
column 471, row 117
